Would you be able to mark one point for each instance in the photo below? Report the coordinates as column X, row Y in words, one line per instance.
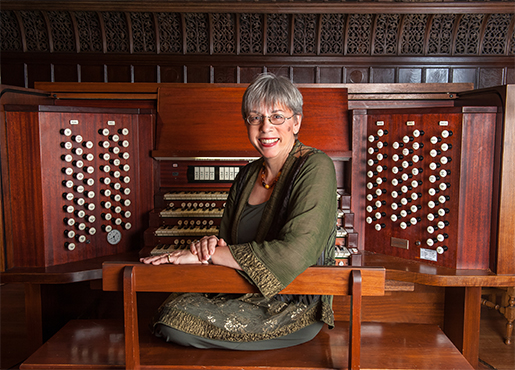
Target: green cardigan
column 297, row 228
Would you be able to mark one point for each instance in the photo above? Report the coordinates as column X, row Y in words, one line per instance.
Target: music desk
column 462, row 291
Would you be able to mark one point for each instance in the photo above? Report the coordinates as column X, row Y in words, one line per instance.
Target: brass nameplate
column 399, row 243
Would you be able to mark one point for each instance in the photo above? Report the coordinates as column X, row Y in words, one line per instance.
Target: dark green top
column 297, row 228
column 250, row 222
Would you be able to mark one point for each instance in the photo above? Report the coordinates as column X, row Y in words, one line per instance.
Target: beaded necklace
column 263, row 182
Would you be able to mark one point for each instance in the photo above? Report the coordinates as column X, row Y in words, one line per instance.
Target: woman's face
column 274, row 141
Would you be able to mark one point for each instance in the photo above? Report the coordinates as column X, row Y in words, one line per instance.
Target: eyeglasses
column 274, row 119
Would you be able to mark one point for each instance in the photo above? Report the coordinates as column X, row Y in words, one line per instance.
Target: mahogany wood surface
column 502, row 257
column 362, row 89
column 36, row 163
column 11, row 95
column 98, row 344
column 396, row 269
column 85, row 270
column 470, row 182
column 424, row 305
column 216, row 279
column 424, row 273
column 462, row 320
column 476, row 187
column 361, row 95
column 34, row 315
column 130, row 314
column 200, row 121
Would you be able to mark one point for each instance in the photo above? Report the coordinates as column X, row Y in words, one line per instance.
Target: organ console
column 426, row 193
column 419, row 181
column 194, row 184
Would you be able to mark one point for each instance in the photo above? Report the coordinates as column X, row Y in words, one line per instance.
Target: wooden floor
column 494, row 354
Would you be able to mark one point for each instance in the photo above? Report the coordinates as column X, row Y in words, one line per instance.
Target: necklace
column 263, row 182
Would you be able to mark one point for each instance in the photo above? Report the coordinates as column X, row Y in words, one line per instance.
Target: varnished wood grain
column 358, row 88
column 216, row 279
column 35, row 170
column 470, row 183
column 11, row 95
column 200, row 121
column 427, row 274
column 385, row 346
column 502, row 251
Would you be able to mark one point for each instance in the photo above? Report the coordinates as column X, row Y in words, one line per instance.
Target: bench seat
column 99, row 344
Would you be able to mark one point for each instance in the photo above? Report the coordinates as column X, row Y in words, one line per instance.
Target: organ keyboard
column 186, row 217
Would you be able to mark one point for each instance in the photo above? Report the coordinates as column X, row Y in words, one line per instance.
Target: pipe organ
column 412, row 183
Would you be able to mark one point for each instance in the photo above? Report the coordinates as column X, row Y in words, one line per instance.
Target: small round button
column 88, row 144
column 441, row 249
column 77, row 138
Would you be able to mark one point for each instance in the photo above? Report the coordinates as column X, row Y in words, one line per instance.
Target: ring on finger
column 168, row 258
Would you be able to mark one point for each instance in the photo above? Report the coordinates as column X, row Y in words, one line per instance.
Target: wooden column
column 33, row 316
column 462, row 320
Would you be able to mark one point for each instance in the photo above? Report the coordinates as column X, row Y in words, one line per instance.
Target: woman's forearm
column 224, row 257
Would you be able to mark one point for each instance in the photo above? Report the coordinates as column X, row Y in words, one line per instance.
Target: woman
column 279, row 219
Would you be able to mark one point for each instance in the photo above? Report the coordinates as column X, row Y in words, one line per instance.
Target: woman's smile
column 269, row 142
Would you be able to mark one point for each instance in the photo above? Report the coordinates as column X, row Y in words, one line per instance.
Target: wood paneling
column 196, row 114
column 10, row 95
column 451, row 198
column 502, row 257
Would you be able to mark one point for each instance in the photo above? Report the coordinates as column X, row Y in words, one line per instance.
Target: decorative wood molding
column 270, row 6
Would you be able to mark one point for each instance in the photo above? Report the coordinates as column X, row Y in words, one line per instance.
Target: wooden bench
column 169, row 278
column 107, row 344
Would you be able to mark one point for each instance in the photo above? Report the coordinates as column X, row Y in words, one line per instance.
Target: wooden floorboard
column 98, row 344
column 493, row 353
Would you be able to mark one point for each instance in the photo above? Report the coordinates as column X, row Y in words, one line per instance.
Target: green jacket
column 297, row 230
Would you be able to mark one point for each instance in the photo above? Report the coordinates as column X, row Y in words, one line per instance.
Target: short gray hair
column 271, row 90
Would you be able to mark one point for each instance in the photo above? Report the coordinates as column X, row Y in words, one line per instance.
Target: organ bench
column 96, row 344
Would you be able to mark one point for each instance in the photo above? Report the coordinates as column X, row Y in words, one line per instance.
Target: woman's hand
column 205, row 247
column 177, row 257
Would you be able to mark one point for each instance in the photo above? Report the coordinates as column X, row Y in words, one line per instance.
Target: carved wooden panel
column 225, row 45
column 272, row 33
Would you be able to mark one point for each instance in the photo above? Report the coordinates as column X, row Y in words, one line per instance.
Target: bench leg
column 130, row 311
column 355, row 322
